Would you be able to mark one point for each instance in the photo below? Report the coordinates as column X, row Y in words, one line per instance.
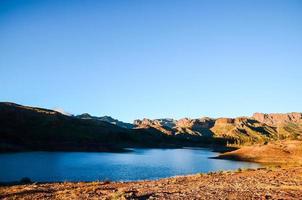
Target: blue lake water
column 136, row 165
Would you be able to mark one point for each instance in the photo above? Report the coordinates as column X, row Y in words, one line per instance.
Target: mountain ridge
column 260, row 127
column 106, row 118
column 33, row 128
column 25, row 128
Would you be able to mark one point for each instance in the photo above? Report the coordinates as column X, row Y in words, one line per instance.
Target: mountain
column 29, row 128
column 106, row 119
column 162, row 125
column 24, row 128
column 260, row 128
column 185, row 126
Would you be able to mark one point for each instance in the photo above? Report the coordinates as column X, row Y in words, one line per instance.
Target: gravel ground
column 264, row 183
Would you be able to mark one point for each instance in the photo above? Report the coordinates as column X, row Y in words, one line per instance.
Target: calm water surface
column 137, row 165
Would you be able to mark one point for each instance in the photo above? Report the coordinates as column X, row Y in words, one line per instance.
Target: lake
column 138, row 164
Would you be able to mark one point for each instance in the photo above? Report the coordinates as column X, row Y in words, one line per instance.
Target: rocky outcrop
column 164, row 125
column 243, row 130
column 224, row 121
column 184, row 126
column 260, row 128
column 276, row 119
column 156, row 122
column 195, row 123
column 199, row 127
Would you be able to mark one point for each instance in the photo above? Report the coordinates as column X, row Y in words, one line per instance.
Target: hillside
column 236, row 131
column 183, row 127
column 278, row 152
column 29, row 128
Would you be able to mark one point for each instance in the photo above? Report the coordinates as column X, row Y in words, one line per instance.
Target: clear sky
column 158, row 58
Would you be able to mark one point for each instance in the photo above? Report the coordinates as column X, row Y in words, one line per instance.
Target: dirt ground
column 263, row 183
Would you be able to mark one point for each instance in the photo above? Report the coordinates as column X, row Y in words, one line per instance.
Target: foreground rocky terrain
column 265, row 183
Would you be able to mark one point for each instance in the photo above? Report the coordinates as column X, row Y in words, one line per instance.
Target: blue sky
column 160, row 58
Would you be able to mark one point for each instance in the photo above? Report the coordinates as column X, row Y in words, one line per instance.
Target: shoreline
column 269, row 183
column 273, row 180
column 288, row 152
column 219, row 148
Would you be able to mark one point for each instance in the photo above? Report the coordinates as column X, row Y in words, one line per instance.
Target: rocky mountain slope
column 276, row 119
column 260, row 128
column 30, row 128
column 185, row 126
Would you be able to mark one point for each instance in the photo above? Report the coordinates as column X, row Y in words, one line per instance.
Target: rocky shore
column 263, row 183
